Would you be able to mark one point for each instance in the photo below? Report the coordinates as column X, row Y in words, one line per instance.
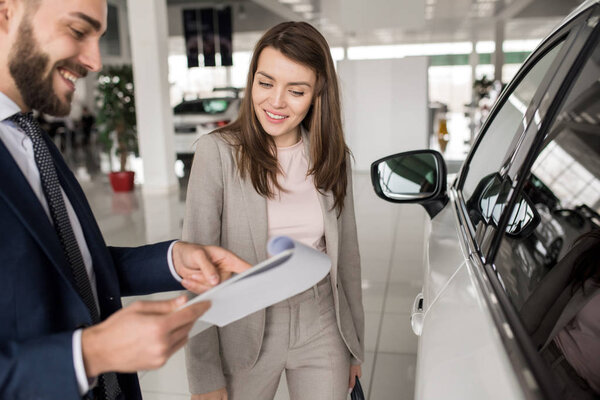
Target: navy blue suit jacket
column 39, row 304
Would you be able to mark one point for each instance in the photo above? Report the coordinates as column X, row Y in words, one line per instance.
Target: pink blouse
column 296, row 211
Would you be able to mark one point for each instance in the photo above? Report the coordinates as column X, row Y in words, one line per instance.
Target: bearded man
column 63, row 331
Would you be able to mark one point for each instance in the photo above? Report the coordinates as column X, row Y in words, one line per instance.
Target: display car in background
column 197, row 117
column 528, row 190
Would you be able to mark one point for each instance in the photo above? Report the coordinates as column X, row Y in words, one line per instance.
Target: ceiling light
column 290, row 1
column 302, row 8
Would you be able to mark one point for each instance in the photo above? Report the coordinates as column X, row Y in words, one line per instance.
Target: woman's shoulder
column 220, row 139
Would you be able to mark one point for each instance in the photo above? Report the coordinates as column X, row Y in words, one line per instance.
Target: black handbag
column 357, row 392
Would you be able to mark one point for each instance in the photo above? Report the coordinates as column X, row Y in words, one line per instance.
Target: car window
column 205, row 106
column 564, row 186
column 551, row 273
column 506, row 127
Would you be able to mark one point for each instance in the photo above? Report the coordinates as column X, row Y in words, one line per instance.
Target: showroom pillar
column 473, row 62
column 149, row 47
column 498, row 52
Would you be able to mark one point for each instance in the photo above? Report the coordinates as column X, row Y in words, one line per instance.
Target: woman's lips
column 274, row 117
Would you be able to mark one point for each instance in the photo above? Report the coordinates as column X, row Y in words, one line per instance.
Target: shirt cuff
column 83, row 383
column 170, row 261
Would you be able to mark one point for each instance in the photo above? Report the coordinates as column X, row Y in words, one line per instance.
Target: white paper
column 293, row 268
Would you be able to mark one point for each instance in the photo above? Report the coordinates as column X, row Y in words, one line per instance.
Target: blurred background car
column 197, row 117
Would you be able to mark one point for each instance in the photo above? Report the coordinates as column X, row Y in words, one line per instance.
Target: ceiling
column 376, row 22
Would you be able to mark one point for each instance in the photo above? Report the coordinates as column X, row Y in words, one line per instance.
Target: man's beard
column 28, row 64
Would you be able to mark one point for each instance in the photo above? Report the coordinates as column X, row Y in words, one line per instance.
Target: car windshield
column 205, row 106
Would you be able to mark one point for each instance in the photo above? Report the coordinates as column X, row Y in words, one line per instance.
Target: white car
column 487, row 317
column 194, row 118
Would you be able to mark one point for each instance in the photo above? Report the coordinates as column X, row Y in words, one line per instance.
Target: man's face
column 55, row 47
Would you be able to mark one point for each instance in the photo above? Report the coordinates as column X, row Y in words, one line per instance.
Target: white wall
column 384, row 105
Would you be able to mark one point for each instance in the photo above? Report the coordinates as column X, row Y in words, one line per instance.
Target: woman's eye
column 296, row 93
column 264, row 84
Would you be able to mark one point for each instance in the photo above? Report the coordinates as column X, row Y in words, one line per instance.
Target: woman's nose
column 277, row 99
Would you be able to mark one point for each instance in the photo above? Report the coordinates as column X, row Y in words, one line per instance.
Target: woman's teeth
column 275, row 116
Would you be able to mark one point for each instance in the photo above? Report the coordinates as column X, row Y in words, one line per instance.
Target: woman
column 281, row 168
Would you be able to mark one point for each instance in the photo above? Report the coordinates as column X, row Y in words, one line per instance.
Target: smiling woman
column 282, row 168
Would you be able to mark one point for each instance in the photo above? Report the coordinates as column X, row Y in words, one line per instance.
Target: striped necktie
column 58, row 211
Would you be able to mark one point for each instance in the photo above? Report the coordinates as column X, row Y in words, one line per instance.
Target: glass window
column 110, row 42
column 551, row 273
column 490, row 154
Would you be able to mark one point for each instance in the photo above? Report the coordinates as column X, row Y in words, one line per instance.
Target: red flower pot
column 121, row 181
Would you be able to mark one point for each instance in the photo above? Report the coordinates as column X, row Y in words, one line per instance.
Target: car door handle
column 417, row 315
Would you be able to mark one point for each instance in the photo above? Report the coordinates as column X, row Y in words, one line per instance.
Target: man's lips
column 68, row 75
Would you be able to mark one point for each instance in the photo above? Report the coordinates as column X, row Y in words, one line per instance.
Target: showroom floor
column 391, row 246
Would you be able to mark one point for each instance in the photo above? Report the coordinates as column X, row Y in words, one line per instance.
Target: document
column 292, row 269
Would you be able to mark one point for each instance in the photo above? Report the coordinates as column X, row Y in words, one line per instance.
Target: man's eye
column 78, row 34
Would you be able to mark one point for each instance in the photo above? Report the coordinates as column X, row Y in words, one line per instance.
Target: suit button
column 111, row 298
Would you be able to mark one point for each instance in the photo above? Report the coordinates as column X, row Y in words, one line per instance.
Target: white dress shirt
column 20, row 147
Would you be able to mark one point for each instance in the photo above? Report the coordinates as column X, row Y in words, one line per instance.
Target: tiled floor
column 391, row 245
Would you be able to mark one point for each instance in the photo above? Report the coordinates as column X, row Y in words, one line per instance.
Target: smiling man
column 63, row 333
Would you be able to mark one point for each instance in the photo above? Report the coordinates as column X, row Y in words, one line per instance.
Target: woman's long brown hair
column 256, row 150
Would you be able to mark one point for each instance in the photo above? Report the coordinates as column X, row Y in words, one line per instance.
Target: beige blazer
column 223, row 209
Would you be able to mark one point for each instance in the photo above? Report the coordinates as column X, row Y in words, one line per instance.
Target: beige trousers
column 301, row 338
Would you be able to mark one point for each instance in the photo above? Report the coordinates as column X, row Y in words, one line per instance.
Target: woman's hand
column 220, row 394
column 355, row 371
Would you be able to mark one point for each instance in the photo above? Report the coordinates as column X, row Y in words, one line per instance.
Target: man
column 63, row 333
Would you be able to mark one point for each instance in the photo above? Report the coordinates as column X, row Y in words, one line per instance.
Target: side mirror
column 492, row 193
column 412, row 177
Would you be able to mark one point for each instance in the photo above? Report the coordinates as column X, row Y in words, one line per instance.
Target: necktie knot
column 27, row 123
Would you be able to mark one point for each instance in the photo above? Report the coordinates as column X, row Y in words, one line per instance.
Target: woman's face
column 282, row 92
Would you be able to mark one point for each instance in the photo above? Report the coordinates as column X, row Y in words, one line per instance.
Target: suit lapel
column 331, row 231
column 101, row 259
column 256, row 211
column 17, row 192
column 329, row 219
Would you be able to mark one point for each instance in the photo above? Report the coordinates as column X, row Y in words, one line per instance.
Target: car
column 197, row 117
column 528, row 191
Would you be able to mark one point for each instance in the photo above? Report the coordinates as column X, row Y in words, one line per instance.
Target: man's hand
column 220, row 394
column 202, row 267
column 141, row 336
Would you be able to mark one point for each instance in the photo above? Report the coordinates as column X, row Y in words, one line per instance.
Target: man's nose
column 90, row 57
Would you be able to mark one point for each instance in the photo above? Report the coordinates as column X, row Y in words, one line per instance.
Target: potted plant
column 116, row 121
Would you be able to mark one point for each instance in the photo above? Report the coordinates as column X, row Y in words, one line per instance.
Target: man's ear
column 6, row 13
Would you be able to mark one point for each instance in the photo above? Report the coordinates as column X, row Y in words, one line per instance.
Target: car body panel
column 477, row 361
column 472, row 343
column 444, row 256
column 476, row 366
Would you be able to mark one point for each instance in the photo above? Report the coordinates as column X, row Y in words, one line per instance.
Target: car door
column 542, row 279
column 466, row 350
